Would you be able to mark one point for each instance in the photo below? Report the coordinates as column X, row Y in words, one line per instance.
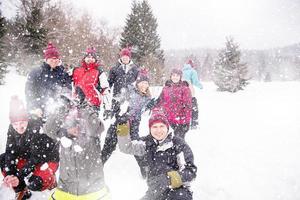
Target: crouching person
column 29, row 154
column 81, row 174
column 170, row 159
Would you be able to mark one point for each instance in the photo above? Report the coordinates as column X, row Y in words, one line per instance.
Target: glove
column 175, row 179
column 107, row 114
column 151, row 104
column 123, row 129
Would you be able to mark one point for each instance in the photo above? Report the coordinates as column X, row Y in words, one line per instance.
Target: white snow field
column 246, row 148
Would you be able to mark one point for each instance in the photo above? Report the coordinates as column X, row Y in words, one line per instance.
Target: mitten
column 123, row 129
column 175, row 179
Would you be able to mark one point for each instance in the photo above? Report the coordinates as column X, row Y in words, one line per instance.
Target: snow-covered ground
column 246, row 148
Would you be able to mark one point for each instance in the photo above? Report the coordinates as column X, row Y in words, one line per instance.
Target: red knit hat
column 51, row 51
column 91, row 51
column 142, row 76
column 191, row 62
column 125, row 52
column 17, row 111
column 158, row 116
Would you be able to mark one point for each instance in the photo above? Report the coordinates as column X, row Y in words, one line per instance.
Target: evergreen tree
column 140, row 33
column 35, row 33
column 229, row 74
column 3, row 66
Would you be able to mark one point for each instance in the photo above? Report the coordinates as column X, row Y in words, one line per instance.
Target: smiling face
column 125, row 59
column 20, row 126
column 143, row 86
column 175, row 78
column 89, row 59
column 53, row 62
column 159, row 131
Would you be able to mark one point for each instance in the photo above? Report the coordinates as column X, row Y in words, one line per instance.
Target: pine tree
column 3, row 65
column 140, row 33
column 229, row 74
column 35, row 34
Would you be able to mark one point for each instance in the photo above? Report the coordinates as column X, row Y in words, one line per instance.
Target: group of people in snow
column 61, row 129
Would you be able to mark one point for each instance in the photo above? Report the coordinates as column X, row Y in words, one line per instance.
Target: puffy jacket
column 92, row 80
column 81, row 168
column 172, row 154
column 34, row 147
column 190, row 75
column 176, row 100
column 119, row 77
column 44, row 83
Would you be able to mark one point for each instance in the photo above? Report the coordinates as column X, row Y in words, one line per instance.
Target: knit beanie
column 51, row 51
column 125, row 52
column 142, row 76
column 191, row 62
column 91, row 51
column 176, row 71
column 158, row 116
column 17, row 111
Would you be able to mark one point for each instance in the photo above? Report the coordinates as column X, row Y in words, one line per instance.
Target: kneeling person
column 170, row 160
column 29, row 154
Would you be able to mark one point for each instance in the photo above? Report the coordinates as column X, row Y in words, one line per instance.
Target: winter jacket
column 92, row 80
column 176, row 100
column 172, row 154
column 137, row 102
column 120, row 76
column 81, row 168
column 44, row 83
column 191, row 76
column 33, row 146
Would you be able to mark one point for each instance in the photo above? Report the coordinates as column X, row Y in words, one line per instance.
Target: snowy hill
column 247, row 146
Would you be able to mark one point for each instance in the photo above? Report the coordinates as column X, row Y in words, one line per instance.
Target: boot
column 23, row 195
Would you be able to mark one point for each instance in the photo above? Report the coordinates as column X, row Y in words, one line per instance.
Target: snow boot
column 23, row 195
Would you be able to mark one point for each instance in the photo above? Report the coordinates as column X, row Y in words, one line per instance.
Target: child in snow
column 191, row 76
column 169, row 159
column 176, row 101
column 29, row 154
column 81, row 175
column 92, row 81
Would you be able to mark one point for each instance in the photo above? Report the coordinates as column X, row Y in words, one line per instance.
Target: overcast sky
column 255, row 24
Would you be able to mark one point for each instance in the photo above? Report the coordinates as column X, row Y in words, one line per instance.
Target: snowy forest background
column 24, row 36
column 247, row 145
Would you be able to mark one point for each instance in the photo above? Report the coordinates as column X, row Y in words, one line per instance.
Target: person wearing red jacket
column 91, row 81
column 176, row 101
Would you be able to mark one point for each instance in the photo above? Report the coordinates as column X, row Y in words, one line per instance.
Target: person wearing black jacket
column 169, row 159
column 28, row 154
column 46, row 83
column 120, row 77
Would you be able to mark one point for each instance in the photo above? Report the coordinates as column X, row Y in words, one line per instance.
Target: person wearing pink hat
column 45, row 83
column 92, row 81
column 29, row 154
column 191, row 76
column 176, row 100
column 169, row 160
